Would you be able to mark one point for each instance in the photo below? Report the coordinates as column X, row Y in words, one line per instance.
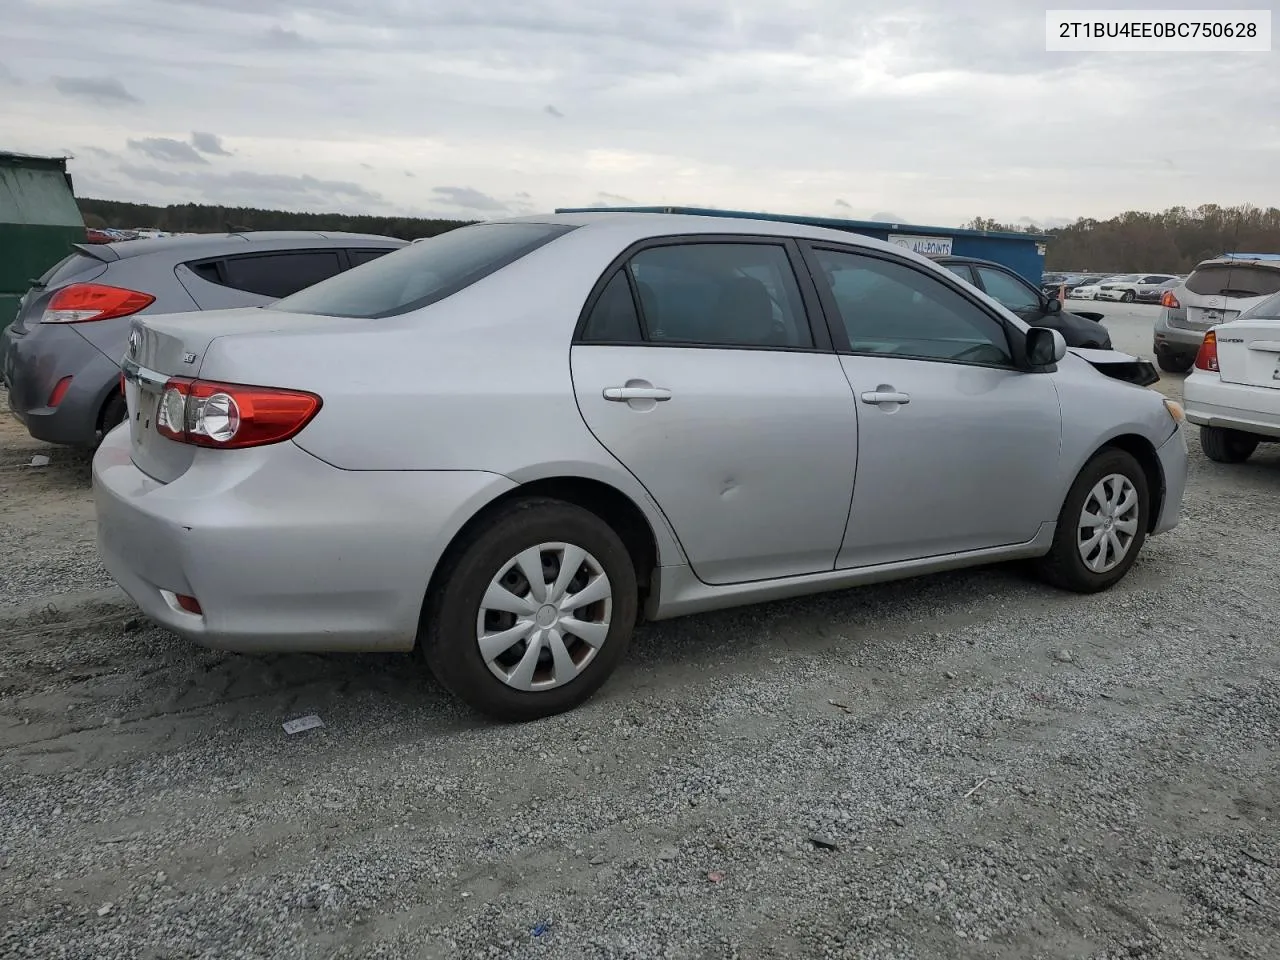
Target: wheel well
column 609, row 504
column 107, row 401
column 1141, row 450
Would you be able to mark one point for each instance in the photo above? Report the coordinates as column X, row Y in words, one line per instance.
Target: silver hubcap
column 1108, row 523
column 544, row 616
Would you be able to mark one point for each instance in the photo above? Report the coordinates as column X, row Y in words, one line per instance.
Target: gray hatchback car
column 60, row 358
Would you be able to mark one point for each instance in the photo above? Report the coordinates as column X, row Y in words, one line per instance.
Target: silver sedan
column 504, row 445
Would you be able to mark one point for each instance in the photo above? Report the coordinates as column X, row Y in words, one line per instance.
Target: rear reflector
column 232, row 416
column 189, row 604
column 1207, row 358
column 85, row 302
column 59, row 391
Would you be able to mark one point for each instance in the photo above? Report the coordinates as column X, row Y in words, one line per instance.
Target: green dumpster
column 39, row 220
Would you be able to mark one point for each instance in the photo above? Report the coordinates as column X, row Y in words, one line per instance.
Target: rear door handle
column 623, row 394
column 885, row 396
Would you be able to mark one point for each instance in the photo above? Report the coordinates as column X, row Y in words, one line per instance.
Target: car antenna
column 1231, row 258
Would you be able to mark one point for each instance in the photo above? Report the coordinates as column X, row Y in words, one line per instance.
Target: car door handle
column 885, row 396
column 623, row 394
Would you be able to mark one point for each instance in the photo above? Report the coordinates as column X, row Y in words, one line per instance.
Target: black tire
column 1227, row 446
column 449, row 644
column 1128, row 296
column 1174, row 362
column 1062, row 566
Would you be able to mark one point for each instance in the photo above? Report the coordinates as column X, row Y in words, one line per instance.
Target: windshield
column 422, row 273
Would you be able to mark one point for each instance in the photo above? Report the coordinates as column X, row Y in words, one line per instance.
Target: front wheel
column 534, row 613
column 1101, row 527
column 1227, row 446
column 1129, row 296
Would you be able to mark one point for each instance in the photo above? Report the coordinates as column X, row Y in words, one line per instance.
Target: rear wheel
column 1227, row 446
column 533, row 614
column 1101, row 527
column 1174, row 363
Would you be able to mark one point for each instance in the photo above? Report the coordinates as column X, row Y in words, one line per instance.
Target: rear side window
column 364, row 254
column 1235, row 280
column 280, row 274
column 423, row 273
column 720, row 294
column 613, row 319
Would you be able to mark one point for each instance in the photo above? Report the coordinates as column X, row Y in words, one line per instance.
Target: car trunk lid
column 1249, row 352
column 166, row 346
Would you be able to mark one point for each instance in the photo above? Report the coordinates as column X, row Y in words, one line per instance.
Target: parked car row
column 1125, row 288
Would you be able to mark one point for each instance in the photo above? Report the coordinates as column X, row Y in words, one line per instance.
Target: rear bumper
column 1168, row 340
column 32, row 365
column 1173, row 466
column 281, row 550
column 1233, row 406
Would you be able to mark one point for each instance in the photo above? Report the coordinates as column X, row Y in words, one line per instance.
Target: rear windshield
column 422, row 273
column 1234, row 280
column 1268, row 309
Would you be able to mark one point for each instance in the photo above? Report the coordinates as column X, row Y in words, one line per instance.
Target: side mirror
column 1053, row 306
column 1045, row 347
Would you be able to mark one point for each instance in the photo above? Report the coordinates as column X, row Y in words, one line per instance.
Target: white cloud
column 935, row 110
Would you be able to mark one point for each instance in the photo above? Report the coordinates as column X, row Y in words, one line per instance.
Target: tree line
column 1173, row 241
column 204, row 218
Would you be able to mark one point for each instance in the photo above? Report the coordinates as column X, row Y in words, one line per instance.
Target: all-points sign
column 928, row 246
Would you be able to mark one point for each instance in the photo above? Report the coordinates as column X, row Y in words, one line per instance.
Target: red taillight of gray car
column 1169, row 300
column 86, row 302
column 232, row 416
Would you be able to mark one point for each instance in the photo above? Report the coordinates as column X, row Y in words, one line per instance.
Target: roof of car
column 641, row 225
column 211, row 244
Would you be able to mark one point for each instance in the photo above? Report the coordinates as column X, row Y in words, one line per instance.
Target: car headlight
column 1175, row 410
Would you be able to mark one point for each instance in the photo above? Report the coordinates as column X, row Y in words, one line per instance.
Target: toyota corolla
column 502, row 446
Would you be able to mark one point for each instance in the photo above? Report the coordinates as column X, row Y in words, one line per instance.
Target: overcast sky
column 929, row 112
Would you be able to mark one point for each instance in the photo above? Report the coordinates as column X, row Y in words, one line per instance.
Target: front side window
column 423, row 273
column 1005, row 289
column 889, row 308
column 720, row 294
column 961, row 270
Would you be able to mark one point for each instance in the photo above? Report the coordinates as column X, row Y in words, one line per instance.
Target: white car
column 1233, row 392
column 1148, row 287
column 1089, row 291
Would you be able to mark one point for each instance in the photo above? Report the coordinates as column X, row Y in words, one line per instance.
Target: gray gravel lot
column 966, row 765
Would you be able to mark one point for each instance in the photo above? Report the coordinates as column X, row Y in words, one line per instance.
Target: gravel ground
column 963, row 765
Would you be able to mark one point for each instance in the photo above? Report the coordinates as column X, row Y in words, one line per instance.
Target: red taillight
column 59, row 391
column 231, row 416
column 1169, row 300
column 1207, row 358
column 123, row 391
column 83, row 302
column 189, row 604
